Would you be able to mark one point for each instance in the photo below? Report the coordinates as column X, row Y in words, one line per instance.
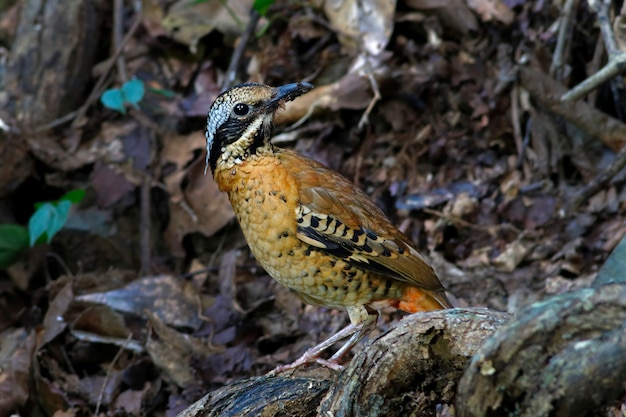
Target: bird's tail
column 417, row 299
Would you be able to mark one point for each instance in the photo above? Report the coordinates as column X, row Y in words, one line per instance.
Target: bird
column 309, row 227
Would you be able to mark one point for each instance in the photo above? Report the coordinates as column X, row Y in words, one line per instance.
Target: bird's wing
column 345, row 223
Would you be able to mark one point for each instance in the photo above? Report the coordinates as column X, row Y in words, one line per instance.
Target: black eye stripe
column 241, row 109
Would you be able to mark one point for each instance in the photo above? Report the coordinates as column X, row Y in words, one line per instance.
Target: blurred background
column 126, row 287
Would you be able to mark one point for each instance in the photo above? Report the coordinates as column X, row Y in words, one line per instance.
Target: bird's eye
column 241, row 109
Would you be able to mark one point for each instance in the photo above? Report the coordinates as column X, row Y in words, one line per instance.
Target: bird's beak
column 289, row 92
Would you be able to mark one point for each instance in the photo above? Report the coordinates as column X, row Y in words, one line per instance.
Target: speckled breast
column 264, row 198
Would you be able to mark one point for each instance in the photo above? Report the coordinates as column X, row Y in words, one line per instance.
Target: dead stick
column 144, row 226
column 118, row 31
column 563, row 40
column 547, row 92
column 231, row 73
column 600, row 181
column 109, row 372
column 617, row 58
column 95, row 93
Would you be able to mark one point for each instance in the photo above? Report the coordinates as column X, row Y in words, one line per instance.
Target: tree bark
column 406, row 371
column 51, row 59
column 562, row 357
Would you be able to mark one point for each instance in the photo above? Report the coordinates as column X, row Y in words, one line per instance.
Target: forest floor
column 148, row 296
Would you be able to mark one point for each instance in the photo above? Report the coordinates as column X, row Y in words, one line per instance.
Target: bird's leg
column 312, row 354
column 366, row 327
column 364, row 324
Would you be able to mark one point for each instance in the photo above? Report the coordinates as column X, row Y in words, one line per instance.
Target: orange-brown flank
column 265, row 191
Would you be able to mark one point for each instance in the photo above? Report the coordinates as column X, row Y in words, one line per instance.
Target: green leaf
column 39, row 221
column 51, row 216
column 13, row 236
column 133, row 91
column 163, row 92
column 13, row 240
column 61, row 213
column 262, row 6
column 113, row 99
column 74, row 196
column 47, row 220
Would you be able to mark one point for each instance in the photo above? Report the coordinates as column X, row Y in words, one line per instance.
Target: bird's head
column 240, row 120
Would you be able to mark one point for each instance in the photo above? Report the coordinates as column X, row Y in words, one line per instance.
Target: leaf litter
column 444, row 114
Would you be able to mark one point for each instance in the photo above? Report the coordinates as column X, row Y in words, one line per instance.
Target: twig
column 198, row 272
column 218, row 251
column 358, row 161
column 607, row 72
column 145, row 121
column 594, row 65
column 367, row 67
column 617, row 86
column 185, row 207
column 118, row 31
column 61, row 263
column 232, row 13
column 144, row 227
column 374, row 100
column 95, row 93
column 211, row 321
column 563, row 44
column 491, row 230
column 602, row 8
column 525, row 143
column 108, row 375
column 600, row 181
column 57, row 122
column 98, row 89
column 516, row 123
column 66, row 359
column 617, row 58
column 233, row 67
column 547, row 93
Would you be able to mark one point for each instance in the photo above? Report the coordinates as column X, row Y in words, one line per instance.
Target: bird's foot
column 312, row 355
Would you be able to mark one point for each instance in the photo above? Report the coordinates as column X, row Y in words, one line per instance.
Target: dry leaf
column 188, row 20
column 173, row 351
column 492, row 10
column 453, row 13
column 163, row 295
column 370, row 20
column 16, row 353
column 200, row 206
column 512, row 256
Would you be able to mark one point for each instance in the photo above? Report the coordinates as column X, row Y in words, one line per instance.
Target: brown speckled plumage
column 310, row 228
